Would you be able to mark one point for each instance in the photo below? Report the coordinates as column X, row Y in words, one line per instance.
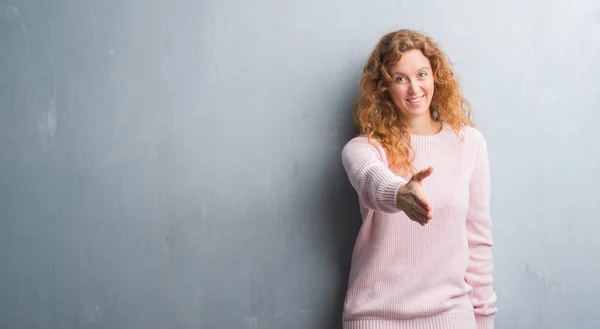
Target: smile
column 415, row 100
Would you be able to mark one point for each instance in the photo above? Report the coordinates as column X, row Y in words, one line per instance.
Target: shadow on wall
column 342, row 213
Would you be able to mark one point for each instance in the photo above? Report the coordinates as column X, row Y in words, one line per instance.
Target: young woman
column 422, row 259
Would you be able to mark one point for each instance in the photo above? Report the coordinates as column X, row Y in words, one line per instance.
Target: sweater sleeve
column 479, row 274
column 374, row 182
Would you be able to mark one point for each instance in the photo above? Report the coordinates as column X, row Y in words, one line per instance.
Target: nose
column 413, row 88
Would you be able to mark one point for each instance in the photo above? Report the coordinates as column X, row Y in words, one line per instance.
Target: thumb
column 418, row 177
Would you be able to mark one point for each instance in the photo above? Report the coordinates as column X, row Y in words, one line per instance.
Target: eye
column 400, row 79
column 422, row 74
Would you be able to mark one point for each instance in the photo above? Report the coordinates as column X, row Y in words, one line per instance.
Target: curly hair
column 375, row 114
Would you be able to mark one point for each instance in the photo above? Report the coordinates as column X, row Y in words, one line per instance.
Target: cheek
column 430, row 87
column 397, row 93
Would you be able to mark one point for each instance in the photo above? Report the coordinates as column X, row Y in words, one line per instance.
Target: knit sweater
column 408, row 276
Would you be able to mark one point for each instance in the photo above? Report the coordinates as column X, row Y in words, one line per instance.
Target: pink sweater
column 405, row 276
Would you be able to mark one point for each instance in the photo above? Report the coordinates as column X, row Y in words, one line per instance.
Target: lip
column 415, row 100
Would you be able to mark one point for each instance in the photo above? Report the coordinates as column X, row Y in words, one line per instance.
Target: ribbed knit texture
column 438, row 276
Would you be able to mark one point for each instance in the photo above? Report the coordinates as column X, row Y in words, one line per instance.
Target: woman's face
column 412, row 85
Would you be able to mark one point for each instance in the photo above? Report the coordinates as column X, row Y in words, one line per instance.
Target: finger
column 423, row 216
column 420, row 211
column 423, row 221
column 419, row 218
column 418, row 177
column 421, row 201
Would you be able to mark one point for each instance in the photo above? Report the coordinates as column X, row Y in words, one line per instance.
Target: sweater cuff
column 390, row 193
column 485, row 321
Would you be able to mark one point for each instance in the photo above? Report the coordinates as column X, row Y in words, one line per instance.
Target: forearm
column 375, row 183
column 480, row 277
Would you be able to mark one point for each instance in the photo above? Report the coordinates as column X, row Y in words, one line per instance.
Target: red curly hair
column 375, row 114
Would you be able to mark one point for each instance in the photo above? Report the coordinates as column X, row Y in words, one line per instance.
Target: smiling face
column 412, row 85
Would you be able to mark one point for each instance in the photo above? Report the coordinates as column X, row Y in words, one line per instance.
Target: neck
column 424, row 125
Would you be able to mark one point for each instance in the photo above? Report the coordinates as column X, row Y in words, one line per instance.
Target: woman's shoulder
column 363, row 144
column 361, row 140
column 472, row 135
column 473, row 140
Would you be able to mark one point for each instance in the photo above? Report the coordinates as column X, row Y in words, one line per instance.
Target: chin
column 416, row 113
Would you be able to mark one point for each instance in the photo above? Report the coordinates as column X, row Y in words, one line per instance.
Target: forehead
column 412, row 60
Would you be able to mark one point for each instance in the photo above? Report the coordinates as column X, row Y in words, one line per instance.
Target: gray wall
column 175, row 164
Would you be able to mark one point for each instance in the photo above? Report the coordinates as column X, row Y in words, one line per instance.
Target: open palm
column 411, row 201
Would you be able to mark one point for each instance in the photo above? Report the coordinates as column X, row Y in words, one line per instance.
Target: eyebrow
column 421, row 69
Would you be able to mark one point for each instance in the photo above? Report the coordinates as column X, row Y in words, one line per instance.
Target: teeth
column 415, row 100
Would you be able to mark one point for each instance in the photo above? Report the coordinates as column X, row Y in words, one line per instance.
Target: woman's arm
column 479, row 225
column 376, row 184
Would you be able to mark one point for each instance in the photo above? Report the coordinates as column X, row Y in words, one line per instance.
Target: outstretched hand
column 411, row 201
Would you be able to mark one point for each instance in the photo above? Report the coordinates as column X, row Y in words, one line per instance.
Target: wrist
column 400, row 192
